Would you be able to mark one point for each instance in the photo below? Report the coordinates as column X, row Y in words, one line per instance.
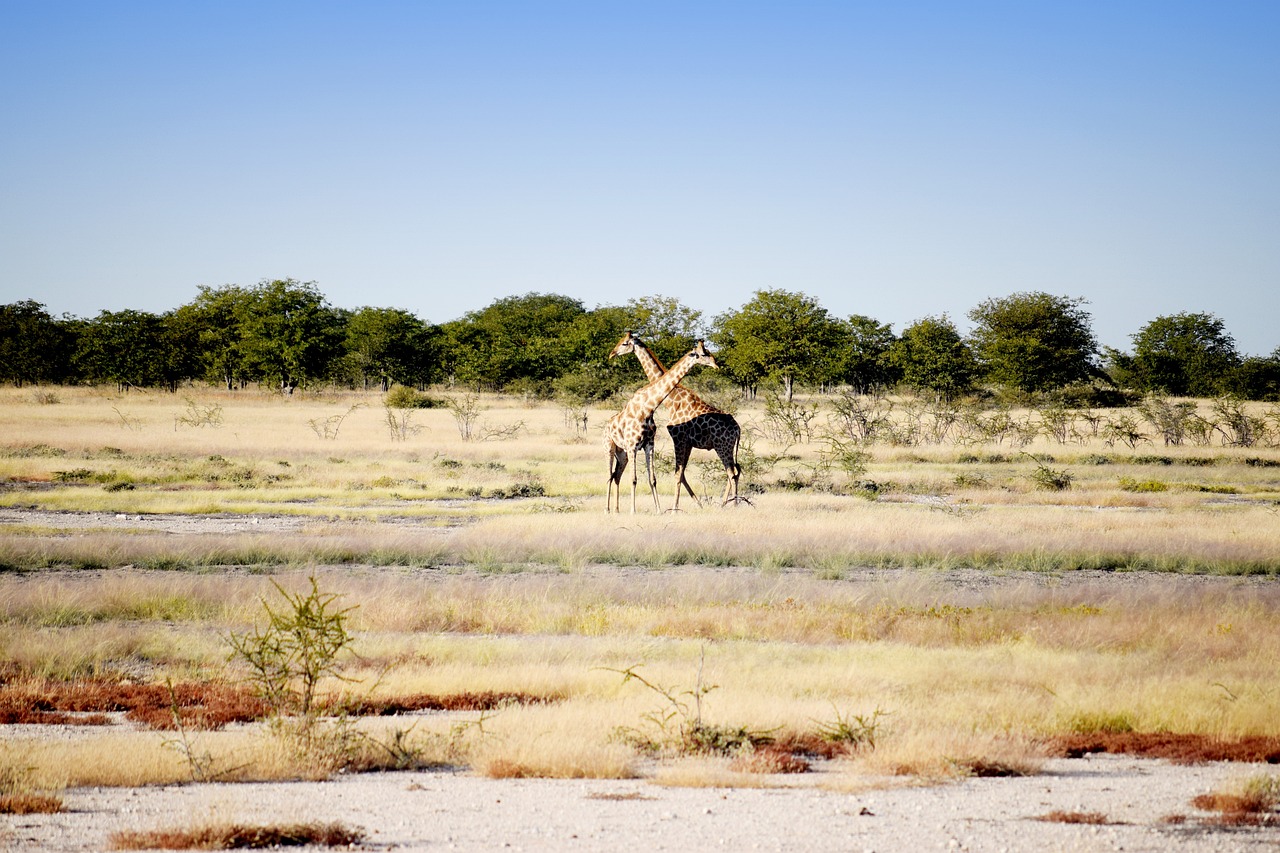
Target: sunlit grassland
column 136, row 453
column 826, row 534
column 956, row 672
column 491, row 565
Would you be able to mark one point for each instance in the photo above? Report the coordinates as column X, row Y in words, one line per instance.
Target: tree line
column 284, row 334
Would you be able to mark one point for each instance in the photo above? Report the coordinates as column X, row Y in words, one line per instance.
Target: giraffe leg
column 653, row 478
column 617, row 464
column 635, row 470
column 728, row 452
column 683, row 449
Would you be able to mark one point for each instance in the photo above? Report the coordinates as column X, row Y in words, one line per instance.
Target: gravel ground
column 445, row 811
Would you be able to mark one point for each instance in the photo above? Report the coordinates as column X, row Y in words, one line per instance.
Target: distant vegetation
column 284, row 335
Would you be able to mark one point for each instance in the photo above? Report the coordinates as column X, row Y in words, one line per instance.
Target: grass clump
column 20, row 794
column 1128, row 484
column 30, row 804
column 235, row 836
column 1249, row 803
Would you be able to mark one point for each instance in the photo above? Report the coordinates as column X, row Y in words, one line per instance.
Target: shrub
column 298, row 648
column 404, row 397
column 1130, row 485
column 1049, row 479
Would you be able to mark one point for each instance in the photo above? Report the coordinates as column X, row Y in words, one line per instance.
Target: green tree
column 34, row 347
column 1258, row 378
column 216, row 315
column 863, row 356
column 289, row 333
column 778, row 335
column 1185, row 355
column 518, row 339
column 386, row 345
column 932, row 356
column 129, row 348
column 1033, row 341
column 589, row 374
column 666, row 325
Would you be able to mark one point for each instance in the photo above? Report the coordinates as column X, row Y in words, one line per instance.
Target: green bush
column 404, row 397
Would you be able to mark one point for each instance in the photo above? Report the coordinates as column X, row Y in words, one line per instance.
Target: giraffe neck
column 653, row 368
column 648, row 398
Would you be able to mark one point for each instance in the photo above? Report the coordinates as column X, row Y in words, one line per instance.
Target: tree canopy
column 1033, row 341
column 778, row 335
column 283, row 334
column 1189, row 355
column 933, row 357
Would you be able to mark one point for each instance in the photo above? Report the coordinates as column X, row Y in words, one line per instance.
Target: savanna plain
column 231, row 618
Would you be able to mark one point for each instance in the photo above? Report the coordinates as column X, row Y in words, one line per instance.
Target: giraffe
column 632, row 429
column 692, row 423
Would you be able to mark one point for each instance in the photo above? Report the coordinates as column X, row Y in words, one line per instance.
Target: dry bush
column 234, row 836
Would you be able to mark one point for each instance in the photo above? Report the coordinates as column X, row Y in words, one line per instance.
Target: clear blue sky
column 894, row 159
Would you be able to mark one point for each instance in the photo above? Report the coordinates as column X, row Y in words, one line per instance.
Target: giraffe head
column 627, row 345
column 701, row 355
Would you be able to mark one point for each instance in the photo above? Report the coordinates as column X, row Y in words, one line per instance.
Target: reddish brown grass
column 1074, row 817
column 237, row 836
column 30, row 804
column 1178, row 748
column 205, row 705
column 485, row 700
column 1235, row 803
column 985, row 768
column 770, row 758
column 813, row 745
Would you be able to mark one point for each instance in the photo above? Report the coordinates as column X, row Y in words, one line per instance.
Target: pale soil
column 445, row 811
column 460, row 811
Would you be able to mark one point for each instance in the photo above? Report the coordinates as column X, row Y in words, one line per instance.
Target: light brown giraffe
column 632, row 429
column 692, row 422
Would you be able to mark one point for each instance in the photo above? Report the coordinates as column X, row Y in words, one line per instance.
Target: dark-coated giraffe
column 692, row 422
column 632, row 429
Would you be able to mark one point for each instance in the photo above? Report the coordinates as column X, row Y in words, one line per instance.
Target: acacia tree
column 1187, row 355
column 514, row 340
column 289, row 334
column 216, row 315
column 34, row 347
column 932, row 356
column 386, row 345
column 778, row 335
column 862, row 359
column 665, row 324
column 1033, row 341
column 130, row 348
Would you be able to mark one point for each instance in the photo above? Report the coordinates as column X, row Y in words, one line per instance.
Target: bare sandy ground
column 446, row 811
